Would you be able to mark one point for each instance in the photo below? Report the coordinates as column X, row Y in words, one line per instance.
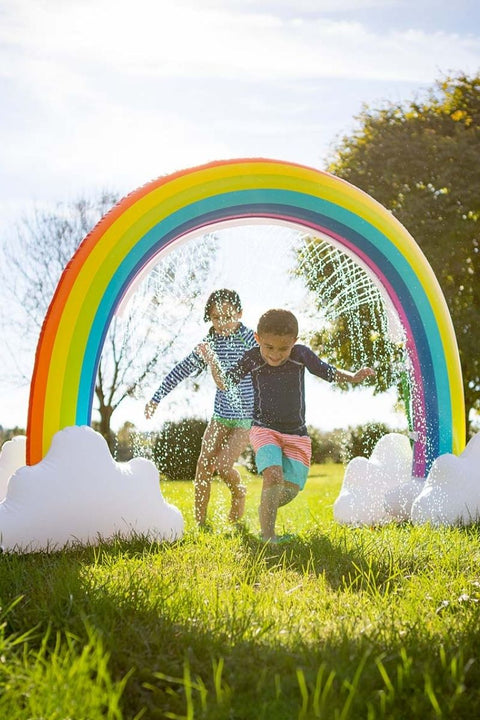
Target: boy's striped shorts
column 291, row 452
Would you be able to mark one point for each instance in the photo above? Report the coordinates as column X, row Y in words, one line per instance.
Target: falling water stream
column 269, row 265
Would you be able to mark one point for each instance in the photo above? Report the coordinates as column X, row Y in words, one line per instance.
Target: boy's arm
column 326, row 371
column 208, row 355
column 229, row 379
column 354, row 378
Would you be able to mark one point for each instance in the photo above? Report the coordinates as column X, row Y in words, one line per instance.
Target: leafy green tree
column 421, row 160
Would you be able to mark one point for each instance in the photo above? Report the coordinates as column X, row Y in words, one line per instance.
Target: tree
column 139, row 342
column 421, row 160
column 355, row 329
column 34, row 257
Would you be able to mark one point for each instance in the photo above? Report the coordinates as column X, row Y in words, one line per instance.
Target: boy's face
column 275, row 349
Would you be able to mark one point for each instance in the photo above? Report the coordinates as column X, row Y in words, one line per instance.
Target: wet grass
column 340, row 623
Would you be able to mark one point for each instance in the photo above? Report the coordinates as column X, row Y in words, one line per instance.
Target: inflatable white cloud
column 381, row 489
column 366, row 482
column 79, row 494
column 399, row 500
column 451, row 493
column 12, row 457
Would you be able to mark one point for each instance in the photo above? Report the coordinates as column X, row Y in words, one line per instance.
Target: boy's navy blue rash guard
column 279, row 392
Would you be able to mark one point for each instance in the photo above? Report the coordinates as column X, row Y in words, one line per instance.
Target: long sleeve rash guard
column 279, row 392
column 233, row 404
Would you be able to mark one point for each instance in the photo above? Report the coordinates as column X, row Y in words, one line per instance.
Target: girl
column 226, row 435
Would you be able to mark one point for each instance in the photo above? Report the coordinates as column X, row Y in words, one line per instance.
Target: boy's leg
column 272, row 491
column 282, row 479
column 276, row 491
column 289, row 492
column 268, row 456
column 284, row 462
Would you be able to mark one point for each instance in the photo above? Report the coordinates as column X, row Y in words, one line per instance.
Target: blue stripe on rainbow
column 352, row 219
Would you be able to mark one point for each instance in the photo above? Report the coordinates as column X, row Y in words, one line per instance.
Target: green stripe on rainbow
column 113, row 255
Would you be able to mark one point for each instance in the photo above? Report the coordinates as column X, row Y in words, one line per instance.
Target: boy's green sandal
column 279, row 539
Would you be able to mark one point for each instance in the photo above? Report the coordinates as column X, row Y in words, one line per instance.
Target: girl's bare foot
column 238, row 503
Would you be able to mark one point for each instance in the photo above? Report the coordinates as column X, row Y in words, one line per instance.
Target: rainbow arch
column 127, row 239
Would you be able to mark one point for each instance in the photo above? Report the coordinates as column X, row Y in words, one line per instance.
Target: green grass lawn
column 314, row 503
column 340, row 623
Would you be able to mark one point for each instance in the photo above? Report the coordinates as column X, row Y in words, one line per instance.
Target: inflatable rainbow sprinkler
column 149, row 220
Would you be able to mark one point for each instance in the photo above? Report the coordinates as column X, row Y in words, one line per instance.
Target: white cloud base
column 78, row 494
column 380, row 489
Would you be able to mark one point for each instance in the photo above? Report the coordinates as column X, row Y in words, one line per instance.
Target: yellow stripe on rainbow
column 140, row 226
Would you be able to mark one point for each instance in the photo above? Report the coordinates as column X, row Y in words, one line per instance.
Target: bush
column 362, row 439
column 125, row 442
column 177, row 447
column 9, row 433
column 326, row 446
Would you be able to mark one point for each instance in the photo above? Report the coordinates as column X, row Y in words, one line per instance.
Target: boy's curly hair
column 278, row 322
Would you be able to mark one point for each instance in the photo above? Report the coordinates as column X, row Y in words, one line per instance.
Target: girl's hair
column 278, row 322
column 218, row 297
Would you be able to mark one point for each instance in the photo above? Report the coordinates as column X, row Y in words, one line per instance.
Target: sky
column 104, row 94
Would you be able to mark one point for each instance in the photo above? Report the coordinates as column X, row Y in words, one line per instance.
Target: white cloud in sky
column 304, row 6
column 100, row 94
column 162, row 39
column 104, row 93
column 86, row 70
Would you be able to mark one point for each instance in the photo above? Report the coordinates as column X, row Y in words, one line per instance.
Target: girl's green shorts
column 245, row 423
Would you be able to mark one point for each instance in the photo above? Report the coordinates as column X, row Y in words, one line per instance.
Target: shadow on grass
column 349, row 559
column 180, row 669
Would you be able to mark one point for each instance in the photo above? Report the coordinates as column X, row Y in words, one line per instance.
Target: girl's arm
column 150, row 408
column 192, row 363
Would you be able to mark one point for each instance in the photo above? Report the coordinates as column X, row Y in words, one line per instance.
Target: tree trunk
column 104, row 426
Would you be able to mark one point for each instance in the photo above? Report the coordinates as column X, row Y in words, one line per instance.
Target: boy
column 279, row 434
